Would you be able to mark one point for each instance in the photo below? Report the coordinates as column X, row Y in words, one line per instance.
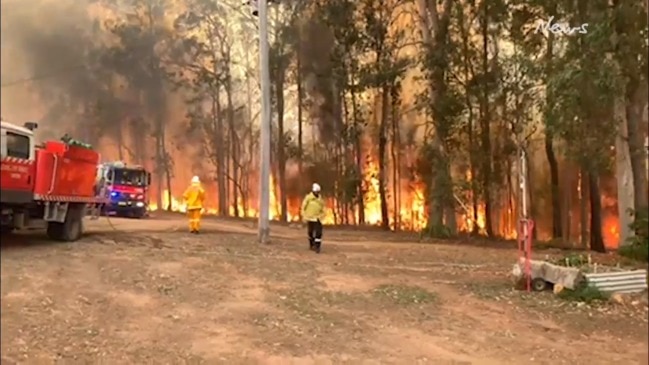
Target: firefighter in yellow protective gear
column 313, row 213
column 194, row 197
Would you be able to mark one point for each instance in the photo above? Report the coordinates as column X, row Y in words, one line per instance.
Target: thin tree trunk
column 394, row 153
column 623, row 171
column 567, row 207
column 281, row 159
column 358, row 153
column 485, row 132
column 251, row 143
column 219, row 151
column 511, row 221
column 300, row 131
column 473, row 186
column 554, row 187
column 555, row 190
column 596, row 237
column 385, row 218
column 166, row 164
column 638, row 152
column 583, row 207
column 234, row 143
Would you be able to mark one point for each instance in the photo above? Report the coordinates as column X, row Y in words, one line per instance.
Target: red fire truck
column 53, row 182
column 126, row 189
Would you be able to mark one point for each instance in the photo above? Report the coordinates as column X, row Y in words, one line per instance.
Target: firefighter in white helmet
column 313, row 213
column 194, row 197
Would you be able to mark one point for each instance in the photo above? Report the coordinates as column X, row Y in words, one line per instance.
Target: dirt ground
column 147, row 292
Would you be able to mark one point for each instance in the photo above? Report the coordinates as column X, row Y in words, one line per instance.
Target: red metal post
column 525, row 229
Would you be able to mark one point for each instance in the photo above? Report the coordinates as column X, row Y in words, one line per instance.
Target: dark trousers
column 315, row 233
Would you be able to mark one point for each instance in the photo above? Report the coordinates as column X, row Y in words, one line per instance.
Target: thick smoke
column 47, row 54
column 317, row 44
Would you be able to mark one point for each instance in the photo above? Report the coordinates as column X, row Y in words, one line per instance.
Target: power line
column 42, row 77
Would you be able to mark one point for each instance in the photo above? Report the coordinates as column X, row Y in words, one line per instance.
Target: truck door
column 17, row 167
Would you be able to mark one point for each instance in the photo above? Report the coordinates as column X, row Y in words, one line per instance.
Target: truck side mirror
column 31, row 126
column 148, row 179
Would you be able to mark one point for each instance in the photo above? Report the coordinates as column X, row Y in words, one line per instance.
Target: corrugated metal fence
column 618, row 281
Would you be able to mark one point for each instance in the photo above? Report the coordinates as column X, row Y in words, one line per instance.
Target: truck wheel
column 71, row 229
column 539, row 284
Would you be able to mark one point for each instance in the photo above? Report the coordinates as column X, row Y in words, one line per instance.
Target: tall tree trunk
column 638, row 152
column 485, row 132
column 623, row 172
column 234, row 143
column 385, row 218
column 166, row 165
column 226, row 161
column 511, row 205
column 221, row 180
column 281, row 158
column 434, row 28
column 596, row 236
column 583, row 207
column 251, row 143
column 394, row 153
column 629, row 57
column 555, row 190
column 358, row 153
column 531, row 202
column 473, row 186
column 567, row 207
column 300, row 131
column 159, row 168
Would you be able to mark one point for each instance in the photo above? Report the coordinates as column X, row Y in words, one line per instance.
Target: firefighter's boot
column 316, row 245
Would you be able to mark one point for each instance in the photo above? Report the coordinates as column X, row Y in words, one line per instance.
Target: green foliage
column 640, row 225
column 584, row 294
column 572, row 260
column 638, row 251
column 638, row 246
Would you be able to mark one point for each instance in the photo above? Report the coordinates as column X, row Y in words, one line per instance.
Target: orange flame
column 412, row 210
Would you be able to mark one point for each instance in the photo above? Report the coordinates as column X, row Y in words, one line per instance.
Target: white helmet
column 315, row 188
column 196, row 180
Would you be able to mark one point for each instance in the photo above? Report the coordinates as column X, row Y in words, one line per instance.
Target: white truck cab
column 16, row 141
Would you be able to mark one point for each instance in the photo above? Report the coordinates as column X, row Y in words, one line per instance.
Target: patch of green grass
column 585, row 294
column 404, row 294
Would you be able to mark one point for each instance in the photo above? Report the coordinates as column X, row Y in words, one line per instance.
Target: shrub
column 637, row 247
column 584, row 293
